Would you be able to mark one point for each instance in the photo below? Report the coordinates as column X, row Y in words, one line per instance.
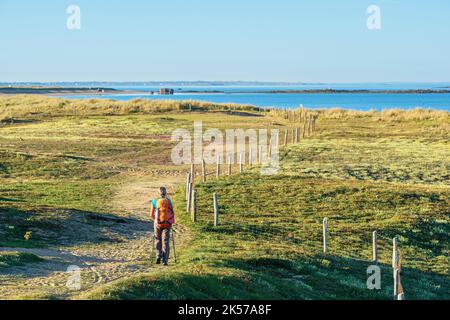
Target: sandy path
column 98, row 263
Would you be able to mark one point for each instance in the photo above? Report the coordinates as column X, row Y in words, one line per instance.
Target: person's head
column 162, row 192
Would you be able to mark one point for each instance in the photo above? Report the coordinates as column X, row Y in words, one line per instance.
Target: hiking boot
column 158, row 260
column 166, row 264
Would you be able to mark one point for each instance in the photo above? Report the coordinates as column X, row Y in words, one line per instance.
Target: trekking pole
column 173, row 245
column 153, row 248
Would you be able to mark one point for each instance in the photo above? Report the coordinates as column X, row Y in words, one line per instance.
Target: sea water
column 258, row 96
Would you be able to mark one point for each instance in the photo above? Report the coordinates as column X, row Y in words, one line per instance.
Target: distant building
column 166, row 91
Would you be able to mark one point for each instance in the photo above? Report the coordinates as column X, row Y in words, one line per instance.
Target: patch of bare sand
column 99, row 263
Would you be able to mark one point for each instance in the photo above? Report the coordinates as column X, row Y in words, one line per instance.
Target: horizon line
column 222, row 82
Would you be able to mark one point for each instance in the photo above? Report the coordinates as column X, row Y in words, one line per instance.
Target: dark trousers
column 162, row 243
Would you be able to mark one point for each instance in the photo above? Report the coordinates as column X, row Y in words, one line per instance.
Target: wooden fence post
column 394, row 253
column 325, row 235
column 304, row 127
column 293, row 135
column 260, row 154
column 192, row 172
column 395, row 260
column 218, row 167
column 375, row 247
column 286, row 137
column 188, row 181
column 270, row 148
column 241, row 163
column 396, row 284
column 310, row 125
column 194, row 206
column 216, row 210
column 188, row 208
column 203, row 170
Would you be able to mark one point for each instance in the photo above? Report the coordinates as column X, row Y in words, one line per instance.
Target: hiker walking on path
column 164, row 217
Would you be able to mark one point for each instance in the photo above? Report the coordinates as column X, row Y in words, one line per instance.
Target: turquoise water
column 252, row 95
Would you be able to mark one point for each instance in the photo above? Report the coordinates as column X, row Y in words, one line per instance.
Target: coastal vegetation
column 14, row 90
column 66, row 166
column 25, row 106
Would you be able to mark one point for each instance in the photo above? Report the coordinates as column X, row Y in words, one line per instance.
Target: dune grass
column 270, row 247
column 362, row 176
column 61, row 160
column 18, row 107
column 14, row 259
column 57, row 170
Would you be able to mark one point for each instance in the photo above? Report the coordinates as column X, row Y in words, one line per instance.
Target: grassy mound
column 364, row 172
column 60, row 162
column 269, row 247
column 20, row 107
column 14, row 259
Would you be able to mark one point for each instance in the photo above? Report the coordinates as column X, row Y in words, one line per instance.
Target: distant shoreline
column 111, row 91
column 91, row 100
column 59, row 90
column 326, row 91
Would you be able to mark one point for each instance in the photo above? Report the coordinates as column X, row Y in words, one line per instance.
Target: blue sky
column 282, row 40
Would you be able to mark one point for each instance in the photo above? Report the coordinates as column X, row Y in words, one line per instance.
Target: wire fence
column 304, row 235
column 334, row 237
column 344, row 243
column 301, row 237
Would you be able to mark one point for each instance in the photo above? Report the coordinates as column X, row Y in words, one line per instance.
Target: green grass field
column 62, row 162
column 13, row 259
